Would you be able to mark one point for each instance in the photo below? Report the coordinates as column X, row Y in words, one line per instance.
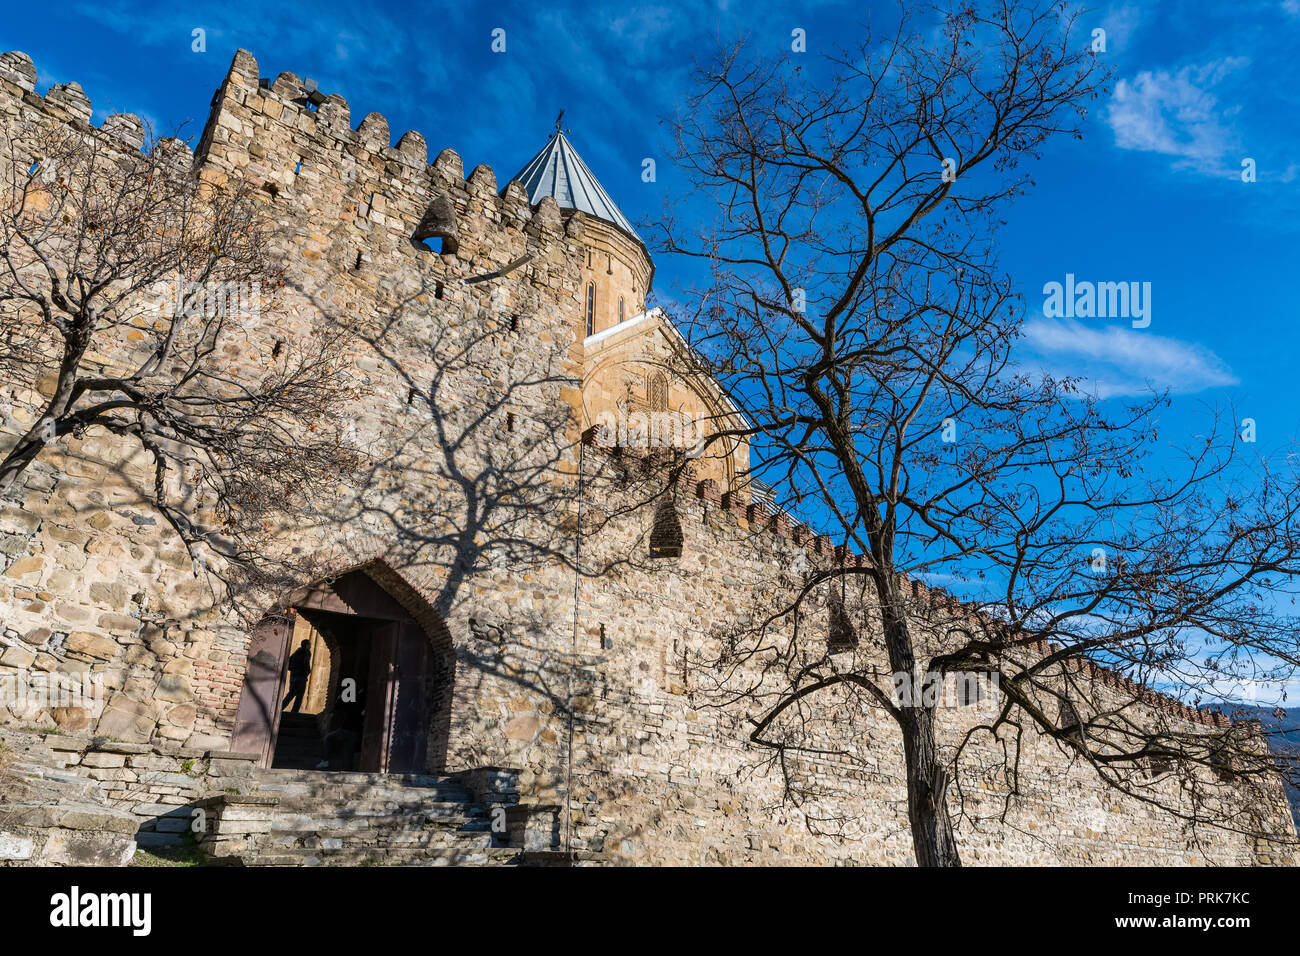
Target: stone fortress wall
column 126, row 603
column 482, row 511
column 667, row 739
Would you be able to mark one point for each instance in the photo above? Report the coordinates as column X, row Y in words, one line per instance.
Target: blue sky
column 1152, row 193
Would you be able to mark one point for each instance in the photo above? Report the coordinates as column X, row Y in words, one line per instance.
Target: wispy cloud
column 1118, row 361
column 1120, row 23
column 1177, row 115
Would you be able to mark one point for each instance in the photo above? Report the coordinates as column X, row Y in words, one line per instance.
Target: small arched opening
column 436, row 230
column 666, row 533
column 841, row 636
column 657, row 392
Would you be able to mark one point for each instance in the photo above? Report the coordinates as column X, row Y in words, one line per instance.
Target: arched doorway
column 377, row 692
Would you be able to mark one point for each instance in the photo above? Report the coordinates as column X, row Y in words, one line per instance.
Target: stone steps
column 354, row 797
column 298, row 741
column 319, row 818
column 404, row 838
column 374, row 811
column 390, row 857
column 268, row 778
column 33, row 766
column 52, row 817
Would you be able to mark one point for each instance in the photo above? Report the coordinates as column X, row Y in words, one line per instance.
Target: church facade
column 527, row 583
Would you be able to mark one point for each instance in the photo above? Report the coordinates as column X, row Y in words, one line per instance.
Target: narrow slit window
column 843, row 635
column 970, row 689
column 591, row 307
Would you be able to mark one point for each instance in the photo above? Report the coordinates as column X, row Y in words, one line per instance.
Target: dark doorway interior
column 379, row 685
column 327, row 735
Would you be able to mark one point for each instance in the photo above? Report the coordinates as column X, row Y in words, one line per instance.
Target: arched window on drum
column 657, row 392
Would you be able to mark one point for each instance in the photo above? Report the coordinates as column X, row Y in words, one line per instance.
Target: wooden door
column 395, row 739
column 409, row 726
column 258, row 719
column 381, row 694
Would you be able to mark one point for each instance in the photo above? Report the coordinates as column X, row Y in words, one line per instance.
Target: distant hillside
column 1284, row 728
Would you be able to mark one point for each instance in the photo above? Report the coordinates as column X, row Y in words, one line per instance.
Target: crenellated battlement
column 926, row 601
column 299, row 147
column 68, row 103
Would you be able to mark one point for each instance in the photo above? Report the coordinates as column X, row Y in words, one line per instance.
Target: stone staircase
column 323, row 818
column 50, row 816
column 298, row 741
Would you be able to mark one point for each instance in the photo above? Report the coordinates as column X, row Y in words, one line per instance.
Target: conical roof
column 559, row 171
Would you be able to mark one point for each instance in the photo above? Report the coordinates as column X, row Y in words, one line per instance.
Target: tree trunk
column 43, row 430
column 22, row 455
column 933, row 840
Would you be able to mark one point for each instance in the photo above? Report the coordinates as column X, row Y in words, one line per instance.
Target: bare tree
column 856, row 311
column 139, row 299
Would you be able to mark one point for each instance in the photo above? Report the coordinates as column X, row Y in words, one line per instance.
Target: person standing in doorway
column 299, row 670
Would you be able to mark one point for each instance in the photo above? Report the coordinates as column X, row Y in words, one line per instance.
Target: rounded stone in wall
column 70, row 718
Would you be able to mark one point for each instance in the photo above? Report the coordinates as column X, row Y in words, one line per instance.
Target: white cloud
column 1120, row 22
column 1175, row 114
column 1194, row 678
column 646, row 29
column 1116, row 360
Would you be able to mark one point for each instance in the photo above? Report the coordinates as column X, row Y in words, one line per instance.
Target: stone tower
column 616, row 268
column 639, row 375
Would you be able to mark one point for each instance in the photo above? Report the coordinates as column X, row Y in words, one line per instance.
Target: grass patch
column 56, row 731
column 188, row 854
